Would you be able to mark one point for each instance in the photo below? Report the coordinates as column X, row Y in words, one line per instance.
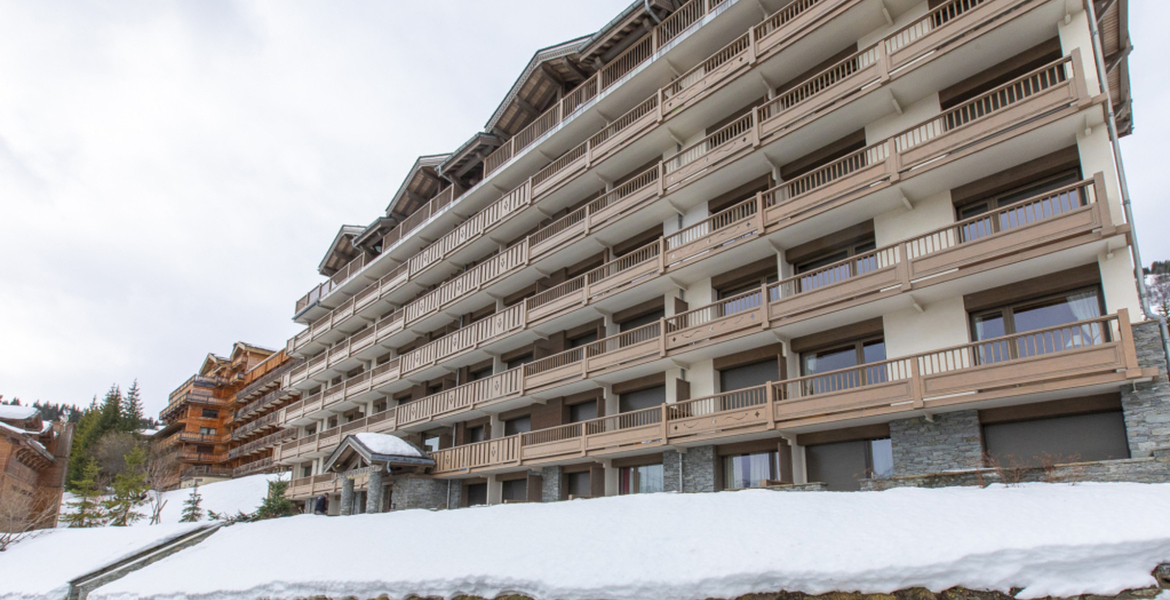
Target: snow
column 229, row 496
column 1048, row 539
column 388, row 445
column 12, row 428
column 40, row 568
column 19, row 413
column 148, row 432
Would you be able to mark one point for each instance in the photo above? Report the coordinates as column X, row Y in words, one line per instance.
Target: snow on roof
column 388, row 445
column 148, row 431
column 19, row 413
column 42, row 566
column 4, row 425
column 1049, row 539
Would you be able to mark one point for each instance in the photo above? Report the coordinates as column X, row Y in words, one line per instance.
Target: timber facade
column 728, row 243
column 34, row 457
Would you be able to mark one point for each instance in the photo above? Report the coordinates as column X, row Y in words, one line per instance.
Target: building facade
column 34, row 457
column 223, row 421
column 727, row 243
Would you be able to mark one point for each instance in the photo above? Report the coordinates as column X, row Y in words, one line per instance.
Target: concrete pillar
column 374, row 492
column 550, row 484
column 495, row 491
column 1147, row 405
column 947, row 442
column 346, row 496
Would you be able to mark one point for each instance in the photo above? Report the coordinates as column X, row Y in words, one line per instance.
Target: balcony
column 203, row 438
column 263, row 465
column 1083, row 354
column 326, row 483
column 205, row 471
column 322, row 443
column 261, row 444
column 264, row 423
column 896, row 60
column 190, row 455
column 1066, row 218
column 1047, row 95
column 198, row 388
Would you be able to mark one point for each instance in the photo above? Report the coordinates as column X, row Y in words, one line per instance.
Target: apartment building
column 224, row 420
column 34, row 455
column 804, row 244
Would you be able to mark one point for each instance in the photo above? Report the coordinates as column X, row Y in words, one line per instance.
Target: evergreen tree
column 192, row 511
column 275, row 504
column 110, row 417
column 86, row 510
column 132, row 409
column 84, row 436
column 129, row 491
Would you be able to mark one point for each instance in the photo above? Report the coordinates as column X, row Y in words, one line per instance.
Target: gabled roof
column 421, row 184
column 378, row 449
column 549, row 70
column 373, row 232
column 623, row 30
column 12, row 412
column 212, row 361
column 341, row 251
column 469, row 156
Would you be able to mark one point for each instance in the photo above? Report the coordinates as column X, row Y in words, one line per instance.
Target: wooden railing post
column 883, row 62
column 665, row 432
column 662, row 337
column 893, row 160
column 917, row 389
column 661, row 255
column 764, row 316
column 1125, row 331
column 903, row 267
column 770, row 403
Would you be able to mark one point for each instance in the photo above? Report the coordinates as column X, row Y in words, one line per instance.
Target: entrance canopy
column 382, row 452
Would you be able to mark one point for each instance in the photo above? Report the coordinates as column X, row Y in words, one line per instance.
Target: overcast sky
column 171, row 172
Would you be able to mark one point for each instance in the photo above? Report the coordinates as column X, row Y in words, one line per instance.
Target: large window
column 746, row 376
column 817, row 277
column 1057, row 440
column 577, row 485
column 476, row 434
column 515, row 490
column 646, row 319
column 1043, row 313
column 645, row 479
column 647, row 398
column 477, row 494
column 1024, row 214
column 854, row 354
column 517, row 425
column 584, row 411
column 750, row 470
column 210, row 413
column 842, row 465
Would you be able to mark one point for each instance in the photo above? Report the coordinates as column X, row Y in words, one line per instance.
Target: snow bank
column 1057, row 540
column 40, row 568
column 388, row 445
column 229, row 496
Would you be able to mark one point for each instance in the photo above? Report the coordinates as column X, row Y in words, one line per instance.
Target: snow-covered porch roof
column 377, row 450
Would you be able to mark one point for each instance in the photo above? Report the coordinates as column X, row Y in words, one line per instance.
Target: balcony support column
column 346, row 496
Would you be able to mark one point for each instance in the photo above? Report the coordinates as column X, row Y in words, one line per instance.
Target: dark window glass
column 1057, row 440
column 581, row 340
column 831, row 361
column 1024, row 214
column 746, row 376
column 521, row 360
column 483, row 373
column 1045, row 313
column 750, row 470
column 515, row 490
column 647, row 398
column 842, row 465
column 642, row 320
column 577, row 484
column 517, row 425
column 645, row 479
column 477, row 494
column 583, row 411
column 475, row 434
column 207, row 430
column 210, row 414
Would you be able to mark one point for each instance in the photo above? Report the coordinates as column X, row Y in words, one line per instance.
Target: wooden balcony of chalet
column 200, row 389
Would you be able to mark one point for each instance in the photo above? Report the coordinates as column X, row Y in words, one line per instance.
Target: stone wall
column 419, row 492
column 950, row 441
column 690, row 471
column 550, row 484
column 1147, row 405
column 1136, row 470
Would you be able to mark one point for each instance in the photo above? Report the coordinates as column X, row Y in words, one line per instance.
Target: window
column 515, row 490
column 210, row 414
column 747, row 287
column 1024, row 214
column 476, row 434
column 476, row 494
column 577, row 485
column 517, row 425
column 310, row 429
column 207, row 431
column 483, row 373
column 584, row 411
column 746, row 376
column 520, row 360
column 434, row 389
column 641, row 321
column 431, row 443
column 647, row 398
column 582, row 340
column 843, row 357
column 307, row 471
column 819, row 277
column 842, row 465
column 1044, row 313
column 1057, row 440
column 750, row 470
column 645, row 479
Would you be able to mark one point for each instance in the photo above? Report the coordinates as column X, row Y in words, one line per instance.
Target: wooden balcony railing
column 263, row 443
column 1053, row 87
column 257, row 466
column 1087, row 352
column 207, row 457
column 203, row 438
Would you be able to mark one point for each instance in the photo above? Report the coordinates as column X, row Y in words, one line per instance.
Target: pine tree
column 129, row 491
column 111, row 411
column 84, row 436
column 192, row 511
column 275, row 504
column 132, row 409
column 86, row 510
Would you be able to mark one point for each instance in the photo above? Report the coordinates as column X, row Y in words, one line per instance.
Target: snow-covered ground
column 41, row 567
column 231, row 496
column 1059, row 540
